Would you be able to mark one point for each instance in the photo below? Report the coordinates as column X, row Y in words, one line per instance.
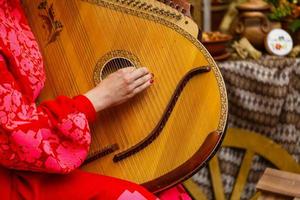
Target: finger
column 143, row 87
column 127, row 69
column 140, row 81
column 139, row 73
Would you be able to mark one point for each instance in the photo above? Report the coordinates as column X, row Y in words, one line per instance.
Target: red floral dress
column 44, row 138
column 38, row 138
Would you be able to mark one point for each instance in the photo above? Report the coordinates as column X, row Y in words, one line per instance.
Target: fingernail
column 151, row 81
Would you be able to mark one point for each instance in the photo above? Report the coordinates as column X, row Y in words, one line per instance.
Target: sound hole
column 114, row 65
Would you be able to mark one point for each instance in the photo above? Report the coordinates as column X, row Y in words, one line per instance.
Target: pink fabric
column 77, row 185
column 43, row 138
column 175, row 193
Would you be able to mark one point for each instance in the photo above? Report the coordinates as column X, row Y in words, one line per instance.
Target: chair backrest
column 254, row 144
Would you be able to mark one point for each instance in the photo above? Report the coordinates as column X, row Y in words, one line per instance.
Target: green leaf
column 273, row 2
column 295, row 25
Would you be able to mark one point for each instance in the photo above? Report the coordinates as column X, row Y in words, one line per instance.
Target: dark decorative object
column 218, row 11
column 52, row 26
column 253, row 23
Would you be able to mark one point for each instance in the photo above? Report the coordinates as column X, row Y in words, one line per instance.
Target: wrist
column 98, row 101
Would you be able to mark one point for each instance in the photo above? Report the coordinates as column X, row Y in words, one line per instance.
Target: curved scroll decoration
column 160, row 125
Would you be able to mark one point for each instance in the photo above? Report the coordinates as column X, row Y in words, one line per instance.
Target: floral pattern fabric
column 37, row 138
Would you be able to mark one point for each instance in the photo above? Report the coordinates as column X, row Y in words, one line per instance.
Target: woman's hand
column 119, row 86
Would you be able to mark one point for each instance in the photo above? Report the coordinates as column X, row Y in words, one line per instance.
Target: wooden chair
column 277, row 184
column 253, row 143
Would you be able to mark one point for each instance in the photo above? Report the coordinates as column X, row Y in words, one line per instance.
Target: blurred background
column 256, row 44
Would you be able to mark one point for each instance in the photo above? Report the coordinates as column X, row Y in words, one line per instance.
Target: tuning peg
column 161, row 11
column 178, row 17
column 130, row 2
column 142, row 5
column 154, row 9
column 167, row 13
column 177, row 7
column 136, row 3
column 173, row 15
column 148, row 7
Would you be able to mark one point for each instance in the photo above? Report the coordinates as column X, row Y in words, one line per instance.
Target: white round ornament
column 279, row 42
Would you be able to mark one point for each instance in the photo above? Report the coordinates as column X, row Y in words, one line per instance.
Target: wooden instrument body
column 96, row 31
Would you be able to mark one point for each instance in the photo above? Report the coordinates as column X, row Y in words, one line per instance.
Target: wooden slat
column 256, row 196
column 280, row 182
column 243, row 174
column 216, row 178
column 259, row 144
column 194, row 190
column 262, row 146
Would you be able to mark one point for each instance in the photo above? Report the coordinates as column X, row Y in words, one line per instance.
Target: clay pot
column 253, row 23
